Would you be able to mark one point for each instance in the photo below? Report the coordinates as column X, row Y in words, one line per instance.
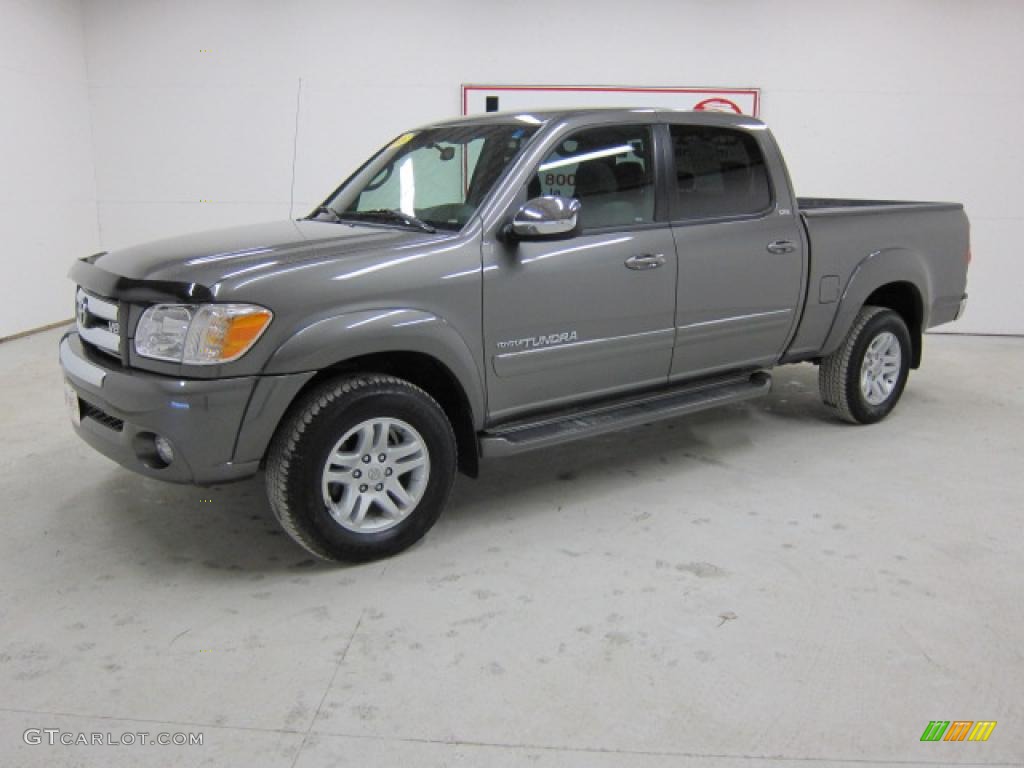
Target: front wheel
column 361, row 468
column 862, row 380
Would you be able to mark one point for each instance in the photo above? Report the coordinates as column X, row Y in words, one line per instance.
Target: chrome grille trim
column 100, row 307
column 105, row 340
column 93, row 316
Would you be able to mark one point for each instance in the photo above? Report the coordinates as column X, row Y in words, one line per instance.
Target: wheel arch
column 411, row 344
column 429, row 374
column 904, row 299
column 894, row 278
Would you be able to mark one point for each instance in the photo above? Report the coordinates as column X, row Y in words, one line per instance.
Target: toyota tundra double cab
column 491, row 285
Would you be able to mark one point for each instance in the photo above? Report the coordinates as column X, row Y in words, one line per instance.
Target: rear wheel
column 864, row 379
column 361, row 468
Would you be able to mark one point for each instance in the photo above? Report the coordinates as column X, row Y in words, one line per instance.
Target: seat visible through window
column 608, row 169
column 719, row 172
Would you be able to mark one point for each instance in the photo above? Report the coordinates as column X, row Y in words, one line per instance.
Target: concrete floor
column 754, row 585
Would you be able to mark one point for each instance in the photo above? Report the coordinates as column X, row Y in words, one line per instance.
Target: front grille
column 98, row 322
column 90, row 411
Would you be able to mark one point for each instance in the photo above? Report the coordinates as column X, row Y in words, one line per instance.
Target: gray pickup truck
column 490, row 285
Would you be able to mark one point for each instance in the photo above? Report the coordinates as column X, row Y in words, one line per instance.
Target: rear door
column 740, row 252
column 571, row 320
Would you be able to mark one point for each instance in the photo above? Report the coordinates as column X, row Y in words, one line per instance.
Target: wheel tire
column 309, row 436
column 840, row 374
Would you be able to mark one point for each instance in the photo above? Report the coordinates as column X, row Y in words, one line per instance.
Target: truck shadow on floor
column 229, row 531
column 719, row 437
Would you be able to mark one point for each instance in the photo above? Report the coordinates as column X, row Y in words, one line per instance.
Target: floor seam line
column 330, row 684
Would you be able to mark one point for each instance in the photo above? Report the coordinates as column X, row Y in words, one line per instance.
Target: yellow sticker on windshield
column 402, row 140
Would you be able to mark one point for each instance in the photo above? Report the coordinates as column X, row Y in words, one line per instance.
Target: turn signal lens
column 242, row 333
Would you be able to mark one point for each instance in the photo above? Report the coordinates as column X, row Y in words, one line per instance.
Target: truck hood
column 206, row 258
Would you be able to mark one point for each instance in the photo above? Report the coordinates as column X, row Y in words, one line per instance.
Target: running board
column 526, row 436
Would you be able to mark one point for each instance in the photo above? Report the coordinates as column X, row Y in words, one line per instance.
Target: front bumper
column 122, row 409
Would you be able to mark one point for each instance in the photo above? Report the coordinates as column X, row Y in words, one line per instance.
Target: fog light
column 164, row 449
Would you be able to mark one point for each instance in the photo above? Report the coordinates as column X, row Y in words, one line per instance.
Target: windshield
column 434, row 178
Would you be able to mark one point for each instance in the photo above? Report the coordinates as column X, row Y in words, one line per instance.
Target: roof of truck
column 605, row 115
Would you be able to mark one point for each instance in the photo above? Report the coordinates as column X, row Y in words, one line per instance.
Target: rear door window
column 719, row 172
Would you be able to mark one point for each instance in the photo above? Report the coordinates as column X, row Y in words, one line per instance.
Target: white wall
column 197, row 102
column 47, row 187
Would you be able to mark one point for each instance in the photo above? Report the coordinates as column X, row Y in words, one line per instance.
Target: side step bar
column 526, row 436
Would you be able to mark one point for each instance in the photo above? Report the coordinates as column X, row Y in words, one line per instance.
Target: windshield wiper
column 388, row 214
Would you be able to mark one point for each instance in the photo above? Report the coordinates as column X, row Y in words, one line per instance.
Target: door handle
column 646, row 261
column 781, row 246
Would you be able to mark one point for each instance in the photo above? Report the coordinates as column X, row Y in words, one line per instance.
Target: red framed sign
column 477, row 99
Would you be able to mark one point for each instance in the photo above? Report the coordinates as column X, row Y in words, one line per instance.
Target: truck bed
column 926, row 241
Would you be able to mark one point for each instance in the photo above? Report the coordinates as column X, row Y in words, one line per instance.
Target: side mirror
column 545, row 218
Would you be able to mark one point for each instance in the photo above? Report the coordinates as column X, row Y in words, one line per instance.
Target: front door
column 740, row 254
column 571, row 320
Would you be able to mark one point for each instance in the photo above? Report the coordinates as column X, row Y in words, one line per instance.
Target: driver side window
column 609, row 169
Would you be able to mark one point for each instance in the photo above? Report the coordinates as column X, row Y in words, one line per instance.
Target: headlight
column 205, row 334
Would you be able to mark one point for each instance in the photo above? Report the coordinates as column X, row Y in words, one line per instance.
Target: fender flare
column 335, row 339
column 877, row 269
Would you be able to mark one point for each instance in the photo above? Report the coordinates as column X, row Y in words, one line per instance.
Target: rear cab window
column 719, row 173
